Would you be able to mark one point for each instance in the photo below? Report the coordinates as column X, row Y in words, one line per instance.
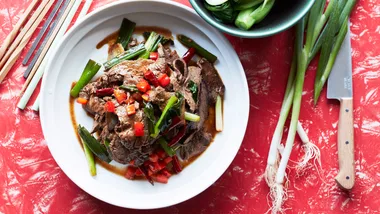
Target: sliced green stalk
column 192, row 117
column 131, row 88
column 322, row 20
column 125, row 32
column 89, row 72
column 319, row 85
column 98, row 149
column 328, row 42
column 247, row 18
column 151, row 44
column 218, row 114
column 129, row 54
column 90, row 159
column 186, row 41
column 173, row 99
column 299, row 81
column 170, row 151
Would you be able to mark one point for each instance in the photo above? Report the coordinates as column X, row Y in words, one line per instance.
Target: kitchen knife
column 339, row 86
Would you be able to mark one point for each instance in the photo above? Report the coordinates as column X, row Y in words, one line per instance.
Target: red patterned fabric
column 31, row 181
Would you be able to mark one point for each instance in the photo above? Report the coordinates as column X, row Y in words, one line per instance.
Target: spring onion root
column 312, row 152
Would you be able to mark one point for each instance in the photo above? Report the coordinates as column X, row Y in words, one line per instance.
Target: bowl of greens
column 251, row 18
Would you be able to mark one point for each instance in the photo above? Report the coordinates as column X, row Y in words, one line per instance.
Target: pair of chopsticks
column 37, row 66
column 11, row 55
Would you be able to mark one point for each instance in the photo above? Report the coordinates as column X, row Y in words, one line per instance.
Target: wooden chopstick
column 46, row 39
column 15, row 54
column 42, row 31
column 47, row 46
column 17, row 27
column 23, row 32
column 41, row 70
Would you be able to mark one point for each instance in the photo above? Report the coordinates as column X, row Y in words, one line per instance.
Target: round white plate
column 66, row 65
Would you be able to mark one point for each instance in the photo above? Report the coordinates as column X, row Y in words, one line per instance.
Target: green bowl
column 283, row 15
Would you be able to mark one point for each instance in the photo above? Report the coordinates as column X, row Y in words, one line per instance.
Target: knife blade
column 339, row 86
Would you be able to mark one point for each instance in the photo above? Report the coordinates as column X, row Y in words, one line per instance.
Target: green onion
column 248, row 17
column 129, row 54
column 192, row 117
column 218, row 114
column 131, row 88
column 186, row 41
column 173, row 99
column 90, row 159
column 326, row 72
column 88, row 73
column 170, row 151
column 98, row 149
column 125, row 32
column 151, row 44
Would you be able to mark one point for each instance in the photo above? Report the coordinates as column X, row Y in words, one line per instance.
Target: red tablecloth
column 31, row 181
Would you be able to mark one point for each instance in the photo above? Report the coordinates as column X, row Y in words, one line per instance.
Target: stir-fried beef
column 160, row 97
column 167, row 54
column 214, row 82
column 193, row 77
column 199, row 86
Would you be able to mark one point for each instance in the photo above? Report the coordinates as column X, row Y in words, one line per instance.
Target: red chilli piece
column 131, row 172
column 104, row 92
column 146, row 174
column 189, row 55
column 143, row 86
column 165, row 172
column 161, row 153
column 153, row 157
column 176, row 164
column 164, row 80
column 149, row 75
column 109, row 106
column 139, row 172
column 153, row 55
column 139, row 129
column 168, row 160
column 178, row 137
column 160, row 178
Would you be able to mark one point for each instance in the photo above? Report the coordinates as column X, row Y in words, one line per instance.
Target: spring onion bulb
column 325, row 30
column 192, row 117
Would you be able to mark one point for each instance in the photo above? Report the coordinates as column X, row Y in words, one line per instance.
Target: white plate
column 66, row 65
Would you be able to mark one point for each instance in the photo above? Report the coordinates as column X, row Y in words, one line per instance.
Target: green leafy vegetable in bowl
column 244, row 13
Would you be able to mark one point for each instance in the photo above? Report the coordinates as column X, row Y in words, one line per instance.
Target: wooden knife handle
column 346, row 175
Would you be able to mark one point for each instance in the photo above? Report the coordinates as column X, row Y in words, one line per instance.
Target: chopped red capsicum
column 146, row 96
column 109, row 106
column 131, row 110
column 176, row 164
column 139, row 129
column 104, row 92
column 139, row 172
column 168, row 160
column 149, row 75
column 160, row 178
column 165, row 172
column 153, row 55
column 120, row 95
column 164, row 80
column 178, row 137
column 147, row 174
column 82, row 101
column 143, row 86
column 130, row 173
column 153, row 157
column 189, row 55
column 161, row 153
